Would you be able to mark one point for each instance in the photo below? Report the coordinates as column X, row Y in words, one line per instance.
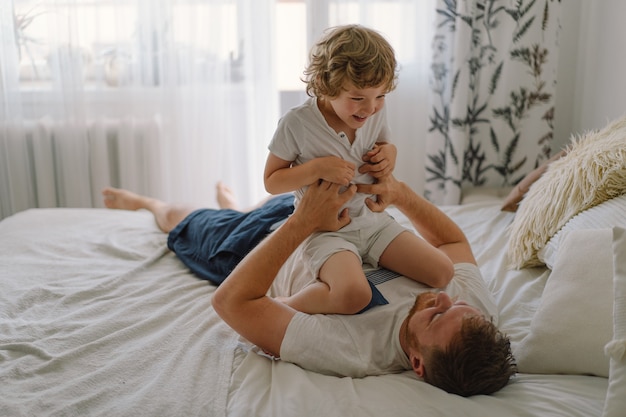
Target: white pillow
column 615, row 404
column 592, row 171
column 573, row 322
column 607, row 215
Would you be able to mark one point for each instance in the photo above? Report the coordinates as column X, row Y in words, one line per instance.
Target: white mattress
column 97, row 317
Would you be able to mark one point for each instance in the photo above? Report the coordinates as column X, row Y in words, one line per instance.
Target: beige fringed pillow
column 592, row 171
column 515, row 196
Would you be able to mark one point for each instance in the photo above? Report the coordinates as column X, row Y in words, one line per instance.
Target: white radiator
column 48, row 163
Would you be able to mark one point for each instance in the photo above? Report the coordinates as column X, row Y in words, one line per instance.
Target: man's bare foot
column 117, row 198
column 225, row 197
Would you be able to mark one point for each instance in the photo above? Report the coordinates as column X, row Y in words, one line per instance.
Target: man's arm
column 241, row 300
column 431, row 223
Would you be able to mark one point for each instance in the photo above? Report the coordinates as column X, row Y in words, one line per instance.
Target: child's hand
column 380, row 161
column 335, row 170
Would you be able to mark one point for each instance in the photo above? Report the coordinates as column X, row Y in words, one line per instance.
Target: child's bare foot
column 117, row 198
column 225, row 197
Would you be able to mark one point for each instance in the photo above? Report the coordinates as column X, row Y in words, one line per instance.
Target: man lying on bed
column 447, row 342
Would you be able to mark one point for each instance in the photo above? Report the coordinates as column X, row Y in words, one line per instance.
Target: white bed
column 98, row 318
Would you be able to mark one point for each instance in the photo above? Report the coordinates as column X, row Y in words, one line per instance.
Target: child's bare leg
column 166, row 215
column 342, row 288
column 415, row 258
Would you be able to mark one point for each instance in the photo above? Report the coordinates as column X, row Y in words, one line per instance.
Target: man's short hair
column 477, row 361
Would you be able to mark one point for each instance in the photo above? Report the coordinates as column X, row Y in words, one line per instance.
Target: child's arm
column 281, row 177
column 380, row 161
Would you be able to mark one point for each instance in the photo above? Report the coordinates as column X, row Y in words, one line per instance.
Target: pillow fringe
column 592, row 171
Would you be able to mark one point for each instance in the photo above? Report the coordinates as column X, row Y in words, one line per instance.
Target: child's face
column 354, row 105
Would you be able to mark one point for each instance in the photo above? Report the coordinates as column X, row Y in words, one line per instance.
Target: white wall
column 591, row 81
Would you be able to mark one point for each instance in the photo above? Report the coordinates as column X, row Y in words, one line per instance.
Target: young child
column 329, row 137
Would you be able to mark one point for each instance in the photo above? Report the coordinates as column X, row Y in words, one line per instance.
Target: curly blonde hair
column 353, row 54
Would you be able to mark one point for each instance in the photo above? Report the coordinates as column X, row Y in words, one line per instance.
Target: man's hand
column 388, row 191
column 380, row 161
column 320, row 207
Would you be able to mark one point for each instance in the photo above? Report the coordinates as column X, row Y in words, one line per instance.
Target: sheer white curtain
column 165, row 97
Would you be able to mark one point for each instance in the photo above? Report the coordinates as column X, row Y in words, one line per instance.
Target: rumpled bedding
column 98, row 318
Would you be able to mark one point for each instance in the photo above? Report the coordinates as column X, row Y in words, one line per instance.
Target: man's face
column 435, row 318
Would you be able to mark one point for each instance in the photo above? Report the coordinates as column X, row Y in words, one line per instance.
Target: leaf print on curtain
column 493, row 79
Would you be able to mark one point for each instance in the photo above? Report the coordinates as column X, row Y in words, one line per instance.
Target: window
column 109, row 43
column 291, row 43
column 105, row 44
column 300, row 23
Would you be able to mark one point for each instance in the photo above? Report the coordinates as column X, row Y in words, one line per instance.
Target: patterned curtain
column 493, row 80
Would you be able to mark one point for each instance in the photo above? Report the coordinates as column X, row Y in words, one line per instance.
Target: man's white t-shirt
column 368, row 343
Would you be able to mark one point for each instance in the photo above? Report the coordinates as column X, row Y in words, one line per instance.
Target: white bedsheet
column 98, row 318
